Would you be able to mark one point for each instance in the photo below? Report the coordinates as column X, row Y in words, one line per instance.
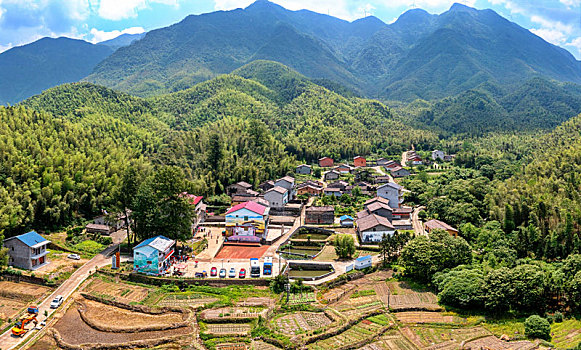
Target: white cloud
column 551, row 35
column 5, row 47
column 570, row 3
column 576, row 43
column 555, row 25
column 100, row 35
column 120, row 9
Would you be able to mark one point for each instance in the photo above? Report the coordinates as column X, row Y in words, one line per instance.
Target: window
column 246, row 218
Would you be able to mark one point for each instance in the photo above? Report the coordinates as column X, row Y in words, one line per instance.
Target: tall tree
column 160, row 207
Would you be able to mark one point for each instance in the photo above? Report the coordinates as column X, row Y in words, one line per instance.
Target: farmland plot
column 185, row 300
column 428, row 317
column 233, row 313
column 260, row 345
column 122, row 292
column 14, row 297
column 302, row 298
column 493, row 342
column 361, row 331
column 228, row 329
column 301, row 322
column 441, row 337
column 392, row 340
column 235, row 346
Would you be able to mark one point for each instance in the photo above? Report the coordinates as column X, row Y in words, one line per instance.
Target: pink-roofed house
column 247, row 219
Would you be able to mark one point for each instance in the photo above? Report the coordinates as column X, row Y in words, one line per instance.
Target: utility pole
column 388, row 295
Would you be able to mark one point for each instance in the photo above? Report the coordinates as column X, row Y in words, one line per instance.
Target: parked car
column 222, row 273
column 202, row 274
column 56, row 302
column 232, row 273
column 74, row 256
column 242, row 273
column 213, row 271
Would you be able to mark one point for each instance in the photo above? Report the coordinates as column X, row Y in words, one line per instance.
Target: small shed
column 346, row 221
column 363, row 262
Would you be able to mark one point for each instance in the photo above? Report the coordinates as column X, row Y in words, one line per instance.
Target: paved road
column 8, row 341
column 416, row 222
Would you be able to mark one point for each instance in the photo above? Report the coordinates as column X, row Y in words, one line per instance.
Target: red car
column 242, row 273
column 214, row 272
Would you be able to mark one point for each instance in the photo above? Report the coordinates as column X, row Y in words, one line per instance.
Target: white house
column 437, row 154
column 363, row 262
column 288, row 183
column 277, row 197
column 392, row 192
column 371, row 228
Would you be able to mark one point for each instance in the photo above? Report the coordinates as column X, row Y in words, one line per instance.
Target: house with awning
column 153, row 256
column 247, row 219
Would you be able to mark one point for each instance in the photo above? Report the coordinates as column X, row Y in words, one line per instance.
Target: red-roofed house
column 326, row 162
column 247, row 219
column 199, row 204
column 359, row 161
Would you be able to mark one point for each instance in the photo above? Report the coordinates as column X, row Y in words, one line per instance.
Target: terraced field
column 301, row 322
column 228, row 329
column 361, row 331
column 441, row 337
column 392, row 340
column 119, row 291
column 185, row 300
column 427, row 317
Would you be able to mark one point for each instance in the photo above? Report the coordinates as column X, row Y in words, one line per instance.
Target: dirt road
column 8, row 341
column 416, row 222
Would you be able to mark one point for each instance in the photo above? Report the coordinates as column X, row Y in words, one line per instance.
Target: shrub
column 537, row 327
column 558, row 316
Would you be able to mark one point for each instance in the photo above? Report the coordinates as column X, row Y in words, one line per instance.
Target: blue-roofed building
column 27, row 251
column 346, row 221
column 152, row 256
column 363, row 262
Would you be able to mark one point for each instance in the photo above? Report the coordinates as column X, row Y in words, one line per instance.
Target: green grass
column 89, row 247
column 566, row 334
column 363, row 293
column 511, row 327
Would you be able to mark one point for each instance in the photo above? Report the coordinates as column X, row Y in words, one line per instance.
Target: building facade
column 152, row 256
column 392, row 192
column 27, row 251
column 320, row 215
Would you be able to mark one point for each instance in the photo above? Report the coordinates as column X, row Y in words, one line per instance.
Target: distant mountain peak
column 263, row 4
column 456, row 7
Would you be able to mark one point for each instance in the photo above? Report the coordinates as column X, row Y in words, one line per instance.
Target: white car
column 232, row 273
column 56, row 302
column 74, row 256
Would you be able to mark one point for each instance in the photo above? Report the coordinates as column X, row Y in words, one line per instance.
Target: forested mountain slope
column 64, row 150
column 547, row 194
column 536, row 104
column 29, row 69
column 458, row 50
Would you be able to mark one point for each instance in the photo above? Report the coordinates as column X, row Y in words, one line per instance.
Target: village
column 218, row 290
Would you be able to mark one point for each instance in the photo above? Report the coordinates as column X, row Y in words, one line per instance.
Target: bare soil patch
column 260, row 345
column 46, row 342
column 74, row 331
column 111, row 316
column 14, row 297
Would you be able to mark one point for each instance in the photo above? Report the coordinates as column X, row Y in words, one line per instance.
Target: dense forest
column 519, row 220
column 63, row 151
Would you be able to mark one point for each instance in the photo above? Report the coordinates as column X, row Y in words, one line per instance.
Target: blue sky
column 24, row 21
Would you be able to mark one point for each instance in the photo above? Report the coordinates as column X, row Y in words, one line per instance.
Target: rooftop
column 160, row 243
column 439, row 225
column 278, row 189
column 321, row 209
column 376, row 199
column 378, row 205
column 372, row 220
column 31, row 239
column 363, row 258
column 252, row 206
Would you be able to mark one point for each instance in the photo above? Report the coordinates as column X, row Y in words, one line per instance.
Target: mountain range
column 465, row 70
column 452, row 52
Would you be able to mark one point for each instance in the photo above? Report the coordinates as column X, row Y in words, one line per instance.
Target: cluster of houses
column 440, row 155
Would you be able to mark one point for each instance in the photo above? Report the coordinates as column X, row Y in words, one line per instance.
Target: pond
column 301, row 250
